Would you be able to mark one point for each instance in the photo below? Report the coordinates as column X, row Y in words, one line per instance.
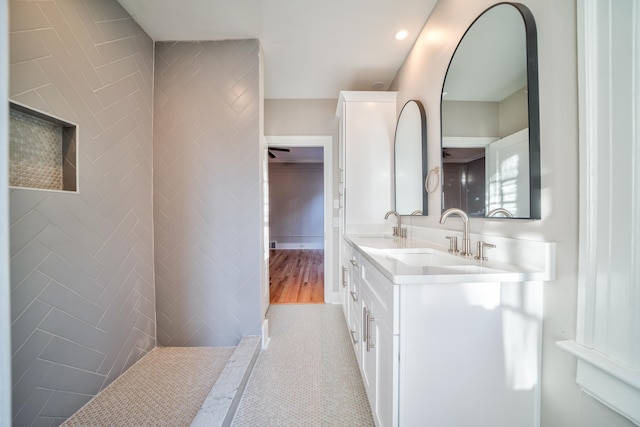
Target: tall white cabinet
column 367, row 129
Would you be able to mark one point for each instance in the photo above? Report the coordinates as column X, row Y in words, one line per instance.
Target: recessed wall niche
column 42, row 150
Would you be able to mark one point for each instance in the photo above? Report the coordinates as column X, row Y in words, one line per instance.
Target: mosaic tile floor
column 165, row 388
column 308, row 376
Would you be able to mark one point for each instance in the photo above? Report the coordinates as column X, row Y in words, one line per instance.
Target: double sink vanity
column 443, row 339
column 448, row 337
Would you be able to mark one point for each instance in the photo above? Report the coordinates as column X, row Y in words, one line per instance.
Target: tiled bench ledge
column 170, row 386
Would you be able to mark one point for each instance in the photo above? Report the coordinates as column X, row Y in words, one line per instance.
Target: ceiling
column 312, row 49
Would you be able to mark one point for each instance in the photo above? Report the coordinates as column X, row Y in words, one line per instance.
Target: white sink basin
column 426, row 258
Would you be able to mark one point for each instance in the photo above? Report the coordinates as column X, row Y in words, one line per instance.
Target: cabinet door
column 386, row 348
column 355, row 331
column 345, row 276
column 369, row 355
column 344, row 288
column 379, row 364
column 368, row 150
column 355, row 303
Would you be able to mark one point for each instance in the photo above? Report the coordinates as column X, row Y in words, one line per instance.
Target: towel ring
column 427, row 182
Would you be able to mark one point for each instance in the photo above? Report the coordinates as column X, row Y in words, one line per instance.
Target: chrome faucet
column 496, row 211
column 397, row 230
column 466, row 242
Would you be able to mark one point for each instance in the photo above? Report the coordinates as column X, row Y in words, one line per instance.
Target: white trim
column 606, row 380
column 608, row 289
column 265, row 334
column 467, row 141
column 326, row 142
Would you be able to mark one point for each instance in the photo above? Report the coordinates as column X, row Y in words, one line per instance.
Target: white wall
column 296, row 204
column 421, row 77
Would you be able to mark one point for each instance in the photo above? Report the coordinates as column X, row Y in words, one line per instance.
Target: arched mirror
column 490, row 122
column 410, row 149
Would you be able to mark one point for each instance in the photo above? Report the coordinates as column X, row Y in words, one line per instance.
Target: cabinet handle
column 353, row 336
column 353, row 262
column 344, row 276
column 370, row 319
column 365, row 324
column 354, row 296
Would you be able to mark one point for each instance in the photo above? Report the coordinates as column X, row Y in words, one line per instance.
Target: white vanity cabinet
column 449, row 352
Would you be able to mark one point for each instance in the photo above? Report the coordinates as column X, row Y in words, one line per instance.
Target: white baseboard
column 318, row 245
column 333, row 298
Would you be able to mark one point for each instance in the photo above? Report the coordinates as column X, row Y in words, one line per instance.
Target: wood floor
column 296, row 276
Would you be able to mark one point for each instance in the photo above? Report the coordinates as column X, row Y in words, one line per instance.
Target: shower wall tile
column 206, row 192
column 81, row 264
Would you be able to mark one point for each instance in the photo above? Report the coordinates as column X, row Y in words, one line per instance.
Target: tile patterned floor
column 308, row 376
column 164, row 389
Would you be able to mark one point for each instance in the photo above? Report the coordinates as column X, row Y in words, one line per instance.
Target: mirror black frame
column 425, row 167
column 533, row 102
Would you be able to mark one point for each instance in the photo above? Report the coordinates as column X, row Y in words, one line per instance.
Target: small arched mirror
column 411, row 160
column 489, row 113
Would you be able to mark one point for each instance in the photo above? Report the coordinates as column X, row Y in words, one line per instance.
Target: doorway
column 300, row 250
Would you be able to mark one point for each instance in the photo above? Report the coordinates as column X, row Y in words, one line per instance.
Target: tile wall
column 207, row 192
column 82, row 282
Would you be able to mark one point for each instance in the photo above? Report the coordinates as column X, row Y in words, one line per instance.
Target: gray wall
column 484, row 118
column 295, row 117
column 470, row 118
column 296, row 203
column 207, row 192
column 82, row 285
column 421, row 77
column 514, row 111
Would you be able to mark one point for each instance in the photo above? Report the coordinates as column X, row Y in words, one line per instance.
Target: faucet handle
column 453, row 244
column 481, row 247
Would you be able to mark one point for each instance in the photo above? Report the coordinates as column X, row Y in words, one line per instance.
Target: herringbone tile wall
column 82, row 297
column 207, row 192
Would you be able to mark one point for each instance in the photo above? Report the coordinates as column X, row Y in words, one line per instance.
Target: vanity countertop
column 385, row 253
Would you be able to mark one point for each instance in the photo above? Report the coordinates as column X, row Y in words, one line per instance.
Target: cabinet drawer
column 383, row 292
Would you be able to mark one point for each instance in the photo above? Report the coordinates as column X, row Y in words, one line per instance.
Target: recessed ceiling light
column 377, row 85
column 401, row 35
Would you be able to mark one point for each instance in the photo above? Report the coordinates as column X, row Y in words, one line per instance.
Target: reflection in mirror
column 411, row 160
column 489, row 112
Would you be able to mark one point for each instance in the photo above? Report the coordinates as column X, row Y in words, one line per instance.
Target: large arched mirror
column 490, row 122
column 410, row 149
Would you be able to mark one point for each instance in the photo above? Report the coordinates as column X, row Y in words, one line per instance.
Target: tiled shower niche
column 42, row 150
